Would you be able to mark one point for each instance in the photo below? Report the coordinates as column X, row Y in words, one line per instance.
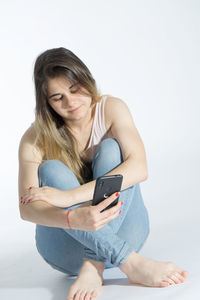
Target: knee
column 53, row 170
column 109, row 151
column 51, row 166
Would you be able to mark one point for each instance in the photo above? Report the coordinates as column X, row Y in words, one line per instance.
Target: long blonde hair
column 52, row 133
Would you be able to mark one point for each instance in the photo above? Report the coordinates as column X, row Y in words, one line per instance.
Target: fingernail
column 29, row 200
column 21, row 198
column 122, row 202
column 23, row 202
column 117, row 194
column 120, row 212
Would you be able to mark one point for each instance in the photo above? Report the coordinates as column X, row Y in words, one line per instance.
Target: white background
column 146, row 53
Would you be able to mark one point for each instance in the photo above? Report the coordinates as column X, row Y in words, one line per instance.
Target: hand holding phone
column 92, row 218
column 105, row 187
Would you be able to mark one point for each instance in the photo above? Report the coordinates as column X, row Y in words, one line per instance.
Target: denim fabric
column 65, row 249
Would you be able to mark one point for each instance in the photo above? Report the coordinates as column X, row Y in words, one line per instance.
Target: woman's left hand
column 49, row 194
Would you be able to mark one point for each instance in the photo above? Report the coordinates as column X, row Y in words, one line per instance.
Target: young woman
column 79, row 135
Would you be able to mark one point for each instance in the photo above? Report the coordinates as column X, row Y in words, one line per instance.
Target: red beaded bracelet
column 68, row 218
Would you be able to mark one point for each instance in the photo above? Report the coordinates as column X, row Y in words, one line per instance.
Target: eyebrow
column 56, row 94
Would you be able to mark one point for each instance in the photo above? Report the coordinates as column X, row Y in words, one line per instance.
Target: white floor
column 24, row 274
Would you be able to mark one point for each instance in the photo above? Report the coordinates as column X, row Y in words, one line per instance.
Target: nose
column 69, row 101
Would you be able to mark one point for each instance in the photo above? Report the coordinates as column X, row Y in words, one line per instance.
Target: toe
column 87, row 296
column 174, row 278
column 70, row 296
column 82, row 295
column 179, row 276
column 77, row 295
column 184, row 274
column 93, row 294
column 169, row 279
column 164, row 284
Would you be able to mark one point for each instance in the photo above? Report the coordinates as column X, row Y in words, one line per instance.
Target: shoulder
column 27, row 146
column 29, row 135
column 113, row 108
column 112, row 101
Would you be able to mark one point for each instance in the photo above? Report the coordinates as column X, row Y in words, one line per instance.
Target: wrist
column 69, row 219
column 68, row 222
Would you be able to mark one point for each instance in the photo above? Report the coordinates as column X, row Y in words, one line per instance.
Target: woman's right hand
column 90, row 218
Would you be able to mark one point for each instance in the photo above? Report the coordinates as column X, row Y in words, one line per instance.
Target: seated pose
column 79, row 135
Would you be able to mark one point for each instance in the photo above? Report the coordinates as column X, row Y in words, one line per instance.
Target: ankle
column 130, row 263
column 94, row 264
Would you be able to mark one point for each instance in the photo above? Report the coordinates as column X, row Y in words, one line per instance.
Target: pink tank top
column 99, row 131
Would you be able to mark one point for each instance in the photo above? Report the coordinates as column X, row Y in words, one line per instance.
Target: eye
column 74, row 91
column 59, row 98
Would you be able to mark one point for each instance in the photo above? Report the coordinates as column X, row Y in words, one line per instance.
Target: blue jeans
column 66, row 249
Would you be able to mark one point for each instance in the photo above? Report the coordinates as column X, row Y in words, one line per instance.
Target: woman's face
column 71, row 102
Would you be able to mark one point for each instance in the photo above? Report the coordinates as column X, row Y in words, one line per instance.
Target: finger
column 23, row 199
column 29, row 198
column 109, row 212
column 26, row 200
column 31, row 190
column 28, row 190
column 27, row 194
column 107, row 202
column 110, row 218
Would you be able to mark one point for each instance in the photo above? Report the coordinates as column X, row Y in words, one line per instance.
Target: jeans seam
column 110, row 251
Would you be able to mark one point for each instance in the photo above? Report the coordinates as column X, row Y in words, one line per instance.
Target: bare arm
column 85, row 217
column 39, row 212
column 134, row 165
column 132, row 170
column 43, row 213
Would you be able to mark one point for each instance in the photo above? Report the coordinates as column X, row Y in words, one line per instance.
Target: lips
column 75, row 109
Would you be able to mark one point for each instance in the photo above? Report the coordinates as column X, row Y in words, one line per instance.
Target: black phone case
column 105, row 187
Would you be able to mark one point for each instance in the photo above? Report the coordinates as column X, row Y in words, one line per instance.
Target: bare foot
column 89, row 281
column 153, row 273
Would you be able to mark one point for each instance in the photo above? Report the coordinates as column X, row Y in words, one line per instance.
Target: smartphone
column 105, row 187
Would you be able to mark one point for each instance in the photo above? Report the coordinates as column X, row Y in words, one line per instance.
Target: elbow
column 21, row 213
column 145, row 175
column 22, row 216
